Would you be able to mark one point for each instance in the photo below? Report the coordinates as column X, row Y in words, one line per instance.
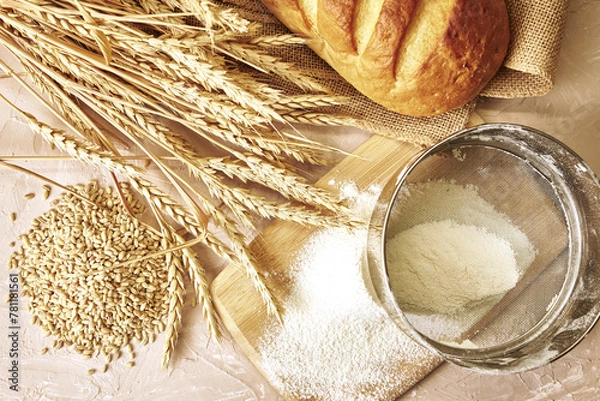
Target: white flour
column 444, row 267
column 336, row 343
column 452, row 256
column 445, row 200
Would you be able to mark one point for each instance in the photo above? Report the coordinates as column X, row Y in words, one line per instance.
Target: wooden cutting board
column 240, row 306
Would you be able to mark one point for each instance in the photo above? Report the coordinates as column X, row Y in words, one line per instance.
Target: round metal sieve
column 485, row 248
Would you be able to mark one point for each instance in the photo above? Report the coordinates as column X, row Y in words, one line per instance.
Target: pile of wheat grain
column 77, row 266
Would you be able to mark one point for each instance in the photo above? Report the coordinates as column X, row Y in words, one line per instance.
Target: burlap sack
column 536, row 36
column 536, row 29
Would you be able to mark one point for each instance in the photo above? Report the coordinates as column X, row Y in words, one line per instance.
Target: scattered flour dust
column 337, row 343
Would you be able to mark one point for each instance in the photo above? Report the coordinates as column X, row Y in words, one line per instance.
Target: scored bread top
column 416, row 57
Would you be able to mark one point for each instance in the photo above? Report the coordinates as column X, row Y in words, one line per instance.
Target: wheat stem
column 45, row 179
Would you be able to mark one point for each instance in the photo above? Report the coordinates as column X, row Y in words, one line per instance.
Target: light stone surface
column 204, row 371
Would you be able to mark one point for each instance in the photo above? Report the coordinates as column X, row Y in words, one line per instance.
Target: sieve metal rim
column 518, row 355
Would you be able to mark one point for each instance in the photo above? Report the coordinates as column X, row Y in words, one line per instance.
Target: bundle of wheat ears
column 158, row 77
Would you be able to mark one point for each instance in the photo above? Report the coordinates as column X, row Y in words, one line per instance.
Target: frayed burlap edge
column 537, row 30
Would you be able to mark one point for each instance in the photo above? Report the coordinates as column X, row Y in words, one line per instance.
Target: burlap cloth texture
column 536, row 35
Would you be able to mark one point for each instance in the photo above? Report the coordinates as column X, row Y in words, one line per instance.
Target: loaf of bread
column 416, row 57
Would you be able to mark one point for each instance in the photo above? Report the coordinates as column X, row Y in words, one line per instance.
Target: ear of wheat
column 165, row 76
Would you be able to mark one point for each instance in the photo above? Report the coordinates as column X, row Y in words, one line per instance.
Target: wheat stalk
column 149, row 68
column 211, row 15
column 201, row 289
column 175, row 267
column 238, row 255
column 92, row 155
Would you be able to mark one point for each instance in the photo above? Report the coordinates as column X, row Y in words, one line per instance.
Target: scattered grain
column 43, row 351
column 29, row 195
column 13, row 216
column 130, row 364
column 46, row 191
column 91, row 371
column 77, row 291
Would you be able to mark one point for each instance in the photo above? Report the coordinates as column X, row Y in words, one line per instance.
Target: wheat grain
column 248, row 54
column 46, row 191
column 200, row 284
column 29, row 172
column 109, row 305
column 212, row 15
column 88, row 153
column 277, row 40
column 303, row 117
column 92, row 155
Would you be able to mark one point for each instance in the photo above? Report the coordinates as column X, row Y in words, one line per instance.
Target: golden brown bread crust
column 416, row 57
column 335, row 24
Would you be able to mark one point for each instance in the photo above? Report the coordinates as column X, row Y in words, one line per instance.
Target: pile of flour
column 451, row 255
column 444, row 266
column 336, row 343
